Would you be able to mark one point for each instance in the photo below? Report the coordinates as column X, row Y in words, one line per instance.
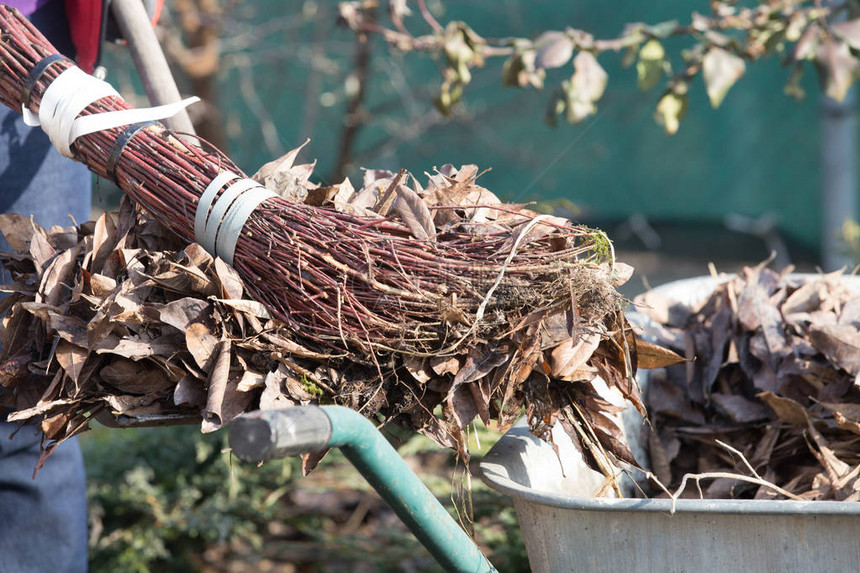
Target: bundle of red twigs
column 507, row 308
column 347, row 281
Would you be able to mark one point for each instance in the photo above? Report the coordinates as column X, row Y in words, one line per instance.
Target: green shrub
column 171, row 499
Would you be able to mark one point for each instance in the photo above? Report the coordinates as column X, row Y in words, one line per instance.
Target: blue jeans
column 43, row 521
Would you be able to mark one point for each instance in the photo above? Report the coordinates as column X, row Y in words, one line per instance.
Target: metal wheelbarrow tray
column 565, row 528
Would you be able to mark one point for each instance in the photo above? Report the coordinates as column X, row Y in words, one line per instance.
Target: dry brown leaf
column 479, row 362
column 69, row 328
column 17, row 229
column 202, row 344
column 189, row 391
column 417, row 367
column 130, row 377
column 251, row 307
column 667, row 399
column 41, row 251
column 213, row 413
column 415, row 214
column 251, row 380
column 570, row 355
column 442, row 365
column 461, row 406
column 57, row 276
column 851, row 312
column 785, row 409
column 650, row 355
column 840, row 343
column 228, row 278
column 805, row 299
column 71, row 358
column 137, row 347
column 128, row 404
column 181, row 313
column 739, row 409
column 101, row 286
column 273, row 396
column 104, row 241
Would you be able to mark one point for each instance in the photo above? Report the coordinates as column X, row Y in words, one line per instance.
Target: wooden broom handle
column 149, row 60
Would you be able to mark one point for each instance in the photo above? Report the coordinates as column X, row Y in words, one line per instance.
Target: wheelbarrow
column 566, row 528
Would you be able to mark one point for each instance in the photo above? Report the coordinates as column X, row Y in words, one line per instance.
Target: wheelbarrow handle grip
column 267, row 434
column 272, row 434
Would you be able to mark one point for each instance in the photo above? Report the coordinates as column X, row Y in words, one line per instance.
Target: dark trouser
column 43, row 522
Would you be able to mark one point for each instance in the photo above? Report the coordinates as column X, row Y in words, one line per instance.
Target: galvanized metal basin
column 566, row 528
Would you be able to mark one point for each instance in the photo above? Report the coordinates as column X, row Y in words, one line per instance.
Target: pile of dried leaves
column 774, row 368
column 118, row 316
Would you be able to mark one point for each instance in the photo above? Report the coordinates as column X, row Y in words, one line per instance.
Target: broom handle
column 149, row 60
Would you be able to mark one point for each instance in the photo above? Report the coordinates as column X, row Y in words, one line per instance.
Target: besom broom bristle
column 487, row 307
column 346, row 281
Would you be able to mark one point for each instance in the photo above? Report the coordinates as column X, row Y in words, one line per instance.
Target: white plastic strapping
column 219, row 222
column 70, row 93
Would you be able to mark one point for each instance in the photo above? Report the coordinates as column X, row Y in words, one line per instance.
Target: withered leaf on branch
column 554, row 49
column 848, row 32
column 837, row 67
column 720, row 70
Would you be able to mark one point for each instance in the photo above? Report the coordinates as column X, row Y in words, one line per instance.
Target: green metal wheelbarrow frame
column 271, row 434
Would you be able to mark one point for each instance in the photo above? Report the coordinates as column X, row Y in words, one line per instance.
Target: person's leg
column 35, row 179
column 43, row 521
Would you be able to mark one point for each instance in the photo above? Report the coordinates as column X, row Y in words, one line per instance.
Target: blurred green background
column 286, row 73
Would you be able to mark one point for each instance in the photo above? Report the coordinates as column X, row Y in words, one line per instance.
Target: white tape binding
column 205, row 203
column 70, row 93
column 219, row 221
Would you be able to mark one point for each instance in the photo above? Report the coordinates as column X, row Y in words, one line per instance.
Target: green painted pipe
column 272, row 434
